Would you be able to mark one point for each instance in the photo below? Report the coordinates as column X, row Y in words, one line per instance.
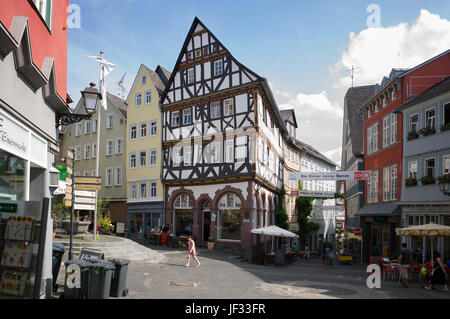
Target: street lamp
column 91, row 98
column 444, row 184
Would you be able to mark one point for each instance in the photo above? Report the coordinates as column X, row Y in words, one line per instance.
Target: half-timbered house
column 222, row 144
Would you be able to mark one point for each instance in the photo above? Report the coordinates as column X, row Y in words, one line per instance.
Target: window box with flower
column 427, row 131
column 444, row 178
column 413, row 135
column 411, row 182
column 426, row 180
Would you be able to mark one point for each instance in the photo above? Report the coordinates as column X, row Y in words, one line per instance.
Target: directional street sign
column 88, row 187
column 68, row 196
column 70, row 155
column 85, row 194
column 88, row 180
column 85, row 200
column 68, row 203
column 68, row 181
column 84, row 207
column 69, row 170
column 68, row 189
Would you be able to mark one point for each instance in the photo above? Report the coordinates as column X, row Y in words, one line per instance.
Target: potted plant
column 427, row 131
column 427, row 180
column 411, row 182
column 210, row 243
column 444, row 178
column 412, row 135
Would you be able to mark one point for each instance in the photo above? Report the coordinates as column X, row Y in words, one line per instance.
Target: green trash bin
column 119, row 279
column 76, row 284
column 101, row 273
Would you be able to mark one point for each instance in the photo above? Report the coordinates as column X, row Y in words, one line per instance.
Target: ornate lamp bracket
column 70, row 118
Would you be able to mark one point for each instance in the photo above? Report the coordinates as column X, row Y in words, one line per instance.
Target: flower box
column 427, row 131
column 412, row 135
column 444, row 178
column 426, row 180
column 411, row 182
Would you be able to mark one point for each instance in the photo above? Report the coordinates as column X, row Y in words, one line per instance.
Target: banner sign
column 329, row 176
column 313, row 194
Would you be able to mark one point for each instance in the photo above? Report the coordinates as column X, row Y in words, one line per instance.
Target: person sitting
column 439, row 275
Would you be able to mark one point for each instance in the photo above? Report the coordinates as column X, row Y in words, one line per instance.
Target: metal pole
column 97, row 161
column 71, row 207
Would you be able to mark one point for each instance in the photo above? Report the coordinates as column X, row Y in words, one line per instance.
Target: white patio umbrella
column 274, row 231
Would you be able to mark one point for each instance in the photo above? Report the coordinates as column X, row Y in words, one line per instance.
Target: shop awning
column 379, row 210
column 274, row 231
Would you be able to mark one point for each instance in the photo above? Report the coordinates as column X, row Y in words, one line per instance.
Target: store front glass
column 380, row 240
column 136, row 225
column 183, row 215
column 230, row 219
column 12, row 177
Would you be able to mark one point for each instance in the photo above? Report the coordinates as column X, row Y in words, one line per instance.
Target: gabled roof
column 289, row 115
column 354, row 99
column 158, row 79
column 118, row 102
column 308, row 149
column 163, row 74
column 435, row 90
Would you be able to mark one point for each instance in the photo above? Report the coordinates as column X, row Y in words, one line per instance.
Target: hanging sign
column 88, row 187
column 85, row 194
column 84, row 207
column 88, row 180
column 329, row 176
column 313, row 194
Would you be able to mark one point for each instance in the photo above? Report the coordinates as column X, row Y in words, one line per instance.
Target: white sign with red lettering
column 329, row 176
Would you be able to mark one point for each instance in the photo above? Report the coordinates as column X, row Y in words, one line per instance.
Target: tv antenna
column 123, row 90
column 352, row 70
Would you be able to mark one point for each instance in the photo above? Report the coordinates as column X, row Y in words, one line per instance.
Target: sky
column 305, row 49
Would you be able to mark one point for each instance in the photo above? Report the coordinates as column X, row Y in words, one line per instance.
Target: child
column 191, row 252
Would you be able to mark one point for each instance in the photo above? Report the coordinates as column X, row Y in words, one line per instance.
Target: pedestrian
column 439, row 275
column 164, row 235
column 405, row 262
column 307, row 252
column 191, row 251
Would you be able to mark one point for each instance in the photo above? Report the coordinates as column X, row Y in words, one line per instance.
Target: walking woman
column 191, row 252
column 439, row 276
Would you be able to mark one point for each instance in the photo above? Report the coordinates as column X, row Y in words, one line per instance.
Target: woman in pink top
column 191, row 252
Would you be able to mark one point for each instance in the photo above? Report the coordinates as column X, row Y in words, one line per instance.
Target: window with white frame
column 138, row 99
column 94, row 150
column 446, row 164
column 228, row 107
column 218, row 67
column 216, row 153
column 144, row 79
column 190, row 76
column 372, row 138
column 214, row 109
column 87, row 127
column 152, row 157
column 386, row 130
column 143, row 190
column 109, row 147
column 152, row 189
column 132, row 160
column 175, row 118
column 94, row 126
column 187, row 116
column 153, row 127
column 393, row 95
column 393, row 182
column 77, row 152
column 143, row 129
column 87, row 151
column 133, row 132
column 109, row 177
column 148, row 97
column 133, row 191
column 384, row 100
column 430, row 166
column 414, row 123
column 176, row 156
column 187, row 155
column 78, row 129
column 229, row 150
column 110, row 121
column 372, row 188
column 229, row 217
column 45, row 9
column 430, row 119
column 412, row 169
column 118, row 175
column 142, row 158
column 394, row 128
column 119, row 145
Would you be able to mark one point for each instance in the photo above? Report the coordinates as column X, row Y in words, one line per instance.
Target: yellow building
column 145, row 192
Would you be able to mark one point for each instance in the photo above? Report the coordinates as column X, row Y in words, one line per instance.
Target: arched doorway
column 183, row 220
column 229, row 224
column 205, row 214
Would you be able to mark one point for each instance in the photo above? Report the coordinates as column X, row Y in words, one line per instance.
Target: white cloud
column 375, row 51
column 334, row 155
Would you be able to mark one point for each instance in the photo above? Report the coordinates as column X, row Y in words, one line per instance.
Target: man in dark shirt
column 405, row 262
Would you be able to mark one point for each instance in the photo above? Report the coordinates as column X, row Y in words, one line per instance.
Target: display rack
column 22, row 246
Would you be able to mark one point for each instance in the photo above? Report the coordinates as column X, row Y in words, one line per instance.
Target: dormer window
column 45, row 8
column 384, row 100
column 393, row 95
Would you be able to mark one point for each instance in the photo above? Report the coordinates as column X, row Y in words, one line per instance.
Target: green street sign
column 8, row 208
column 63, row 172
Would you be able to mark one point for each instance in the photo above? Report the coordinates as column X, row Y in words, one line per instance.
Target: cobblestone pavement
column 223, row 276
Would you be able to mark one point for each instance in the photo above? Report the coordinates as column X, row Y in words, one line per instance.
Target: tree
column 304, row 209
column 59, row 207
column 281, row 217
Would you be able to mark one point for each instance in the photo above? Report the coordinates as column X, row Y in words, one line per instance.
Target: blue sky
column 295, row 44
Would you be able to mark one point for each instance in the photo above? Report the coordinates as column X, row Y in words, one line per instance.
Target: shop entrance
column 183, row 222
column 206, row 225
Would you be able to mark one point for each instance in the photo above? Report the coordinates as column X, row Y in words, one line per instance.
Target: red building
column 33, row 86
column 383, row 152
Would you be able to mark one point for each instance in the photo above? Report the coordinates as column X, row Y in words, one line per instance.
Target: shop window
column 12, row 175
column 230, row 219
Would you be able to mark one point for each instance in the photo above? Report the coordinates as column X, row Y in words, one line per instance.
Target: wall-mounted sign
column 88, row 180
column 85, row 194
column 313, row 194
column 13, row 137
column 84, row 207
column 120, row 228
column 88, row 187
column 329, row 176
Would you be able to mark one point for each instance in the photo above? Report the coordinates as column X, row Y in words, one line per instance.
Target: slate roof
column 354, row 99
column 308, row 149
column 435, row 90
column 119, row 103
column 156, row 80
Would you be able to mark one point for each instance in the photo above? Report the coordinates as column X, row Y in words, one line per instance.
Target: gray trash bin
column 100, row 277
column 81, row 291
column 58, row 252
column 119, row 279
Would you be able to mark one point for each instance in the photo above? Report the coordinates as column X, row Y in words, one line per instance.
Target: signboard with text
column 329, row 176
